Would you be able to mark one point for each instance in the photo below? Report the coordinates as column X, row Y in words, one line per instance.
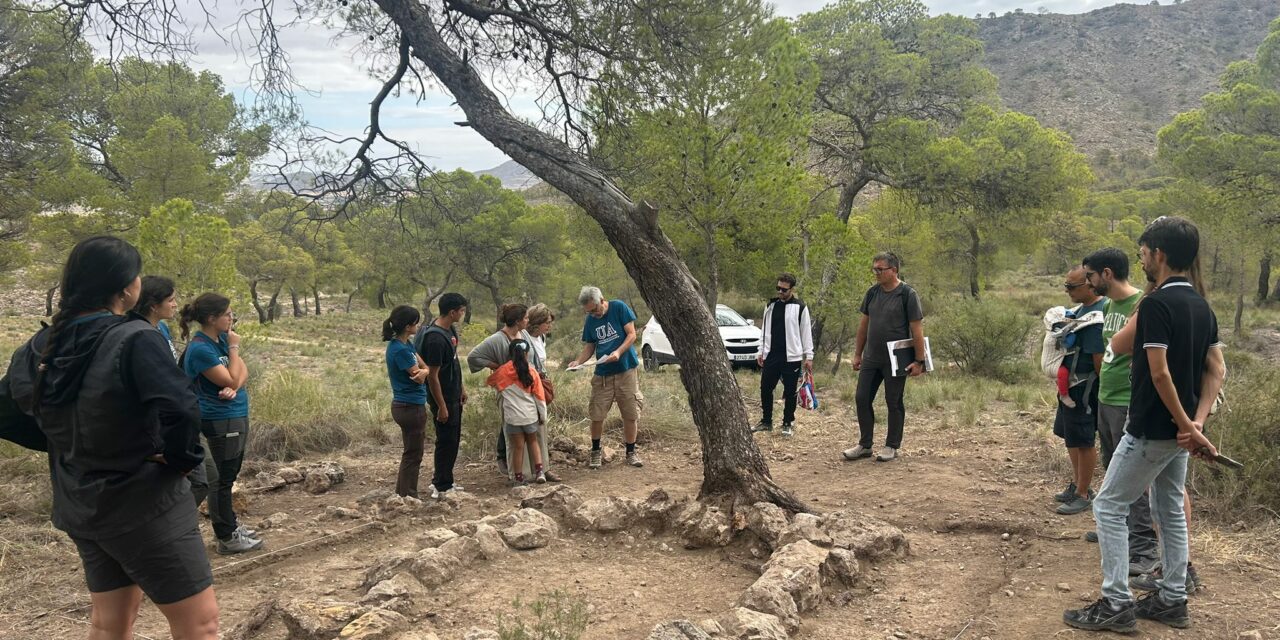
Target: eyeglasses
column 1088, row 275
column 783, row 289
column 880, row 270
column 1072, row 285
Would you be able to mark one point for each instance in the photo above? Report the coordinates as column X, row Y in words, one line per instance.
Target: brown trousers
column 412, row 419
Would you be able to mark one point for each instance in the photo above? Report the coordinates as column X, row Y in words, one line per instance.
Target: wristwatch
column 920, row 362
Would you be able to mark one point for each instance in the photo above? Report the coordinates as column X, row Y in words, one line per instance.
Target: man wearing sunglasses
column 1076, row 422
column 787, row 343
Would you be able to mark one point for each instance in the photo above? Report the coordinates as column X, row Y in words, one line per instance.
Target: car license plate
column 744, row 356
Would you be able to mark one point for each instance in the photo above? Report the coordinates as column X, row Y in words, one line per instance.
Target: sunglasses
column 783, row 289
column 1072, row 285
column 880, row 270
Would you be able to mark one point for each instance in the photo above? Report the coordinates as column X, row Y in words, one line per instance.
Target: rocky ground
column 956, row 539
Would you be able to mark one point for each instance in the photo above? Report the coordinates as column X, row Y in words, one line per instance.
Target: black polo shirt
column 1178, row 320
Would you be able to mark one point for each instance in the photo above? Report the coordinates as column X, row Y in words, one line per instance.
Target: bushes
column 982, row 338
column 1247, row 429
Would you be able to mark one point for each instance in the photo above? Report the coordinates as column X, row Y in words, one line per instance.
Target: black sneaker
column 1091, row 536
column 1100, row 616
column 1151, row 581
column 763, row 425
column 788, row 429
column 1151, row 607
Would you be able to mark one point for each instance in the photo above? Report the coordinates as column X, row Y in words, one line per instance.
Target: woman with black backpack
column 120, row 425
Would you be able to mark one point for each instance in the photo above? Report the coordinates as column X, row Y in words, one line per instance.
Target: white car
column 742, row 340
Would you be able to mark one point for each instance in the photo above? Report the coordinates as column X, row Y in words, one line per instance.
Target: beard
column 1101, row 289
column 1151, row 277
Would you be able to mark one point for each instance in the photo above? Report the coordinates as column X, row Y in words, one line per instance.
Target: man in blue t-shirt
column 610, row 333
column 1077, row 425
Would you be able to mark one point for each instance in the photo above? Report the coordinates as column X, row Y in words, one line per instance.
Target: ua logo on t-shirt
column 605, row 334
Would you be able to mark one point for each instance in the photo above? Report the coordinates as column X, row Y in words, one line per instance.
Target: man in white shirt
column 787, row 343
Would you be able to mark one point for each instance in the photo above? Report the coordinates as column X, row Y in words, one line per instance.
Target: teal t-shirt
column 203, row 353
column 608, row 333
column 400, row 358
column 1114, row 386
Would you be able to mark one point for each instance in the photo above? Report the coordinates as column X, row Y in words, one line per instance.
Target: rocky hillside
column 1112, row 77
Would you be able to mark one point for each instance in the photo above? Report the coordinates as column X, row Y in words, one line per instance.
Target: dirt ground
column 955, row 492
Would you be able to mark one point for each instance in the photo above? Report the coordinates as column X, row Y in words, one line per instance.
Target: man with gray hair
column 610, row 333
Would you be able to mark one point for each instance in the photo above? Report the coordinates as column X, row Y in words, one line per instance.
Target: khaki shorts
column 622, row 388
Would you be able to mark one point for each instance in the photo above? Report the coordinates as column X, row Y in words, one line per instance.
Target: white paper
column 895, row 345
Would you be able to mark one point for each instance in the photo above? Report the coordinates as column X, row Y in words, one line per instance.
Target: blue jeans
column 1136, row 465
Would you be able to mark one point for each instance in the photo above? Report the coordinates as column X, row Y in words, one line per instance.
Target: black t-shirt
column 440, row 350
column 890, row 314
column 1177, row 319
column 778, row 331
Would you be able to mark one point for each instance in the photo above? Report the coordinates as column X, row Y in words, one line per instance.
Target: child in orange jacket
column 524, row 408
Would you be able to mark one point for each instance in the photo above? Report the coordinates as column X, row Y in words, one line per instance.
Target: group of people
column 138, row 434
column 425, row 374
column 1147, row 383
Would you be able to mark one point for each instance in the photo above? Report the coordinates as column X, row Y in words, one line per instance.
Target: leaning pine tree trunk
column 733, row 467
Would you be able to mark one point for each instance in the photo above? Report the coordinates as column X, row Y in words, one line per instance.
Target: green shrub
column 984, row 338
column 553, row 616
column 1247, row 429
column 293, row 413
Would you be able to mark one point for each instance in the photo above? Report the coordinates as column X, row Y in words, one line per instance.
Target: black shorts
column 1078, row 426
column 165, row 557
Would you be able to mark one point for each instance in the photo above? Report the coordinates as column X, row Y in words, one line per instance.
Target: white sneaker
column 886, row 454
column 237, row 543
column 856, row 453
column 436, row 494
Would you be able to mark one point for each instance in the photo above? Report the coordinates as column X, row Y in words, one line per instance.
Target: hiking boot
column 597, row 458
column 1076, row 504
column 788, row 429
column 237, row 543
column 1103, row 616
column 1139, row 566
column 886, row 454
column 633, row 459
column 1151, row 581
column 763, row 425
column 551, row 476
column 503, row 470
column 247, row 532
column 1067, row 493
column 1152, row 607
column 542, row 477
column 856, row 453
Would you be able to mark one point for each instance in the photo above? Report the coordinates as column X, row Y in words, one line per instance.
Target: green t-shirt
column 1113, row 384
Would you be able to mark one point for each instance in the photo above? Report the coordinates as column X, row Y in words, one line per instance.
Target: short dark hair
column 890, row 258
column 1110, row 258
column 1177, row 237
column 787, row 278
column 451, row 301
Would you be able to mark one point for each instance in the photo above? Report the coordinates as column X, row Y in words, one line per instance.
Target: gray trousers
column 1142, row 537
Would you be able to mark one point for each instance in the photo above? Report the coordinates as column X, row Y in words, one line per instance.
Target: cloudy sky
column 340, row 88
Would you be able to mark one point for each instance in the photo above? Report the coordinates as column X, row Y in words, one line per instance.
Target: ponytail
column 401, row 317
column 519, row 353
column 199, row 311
